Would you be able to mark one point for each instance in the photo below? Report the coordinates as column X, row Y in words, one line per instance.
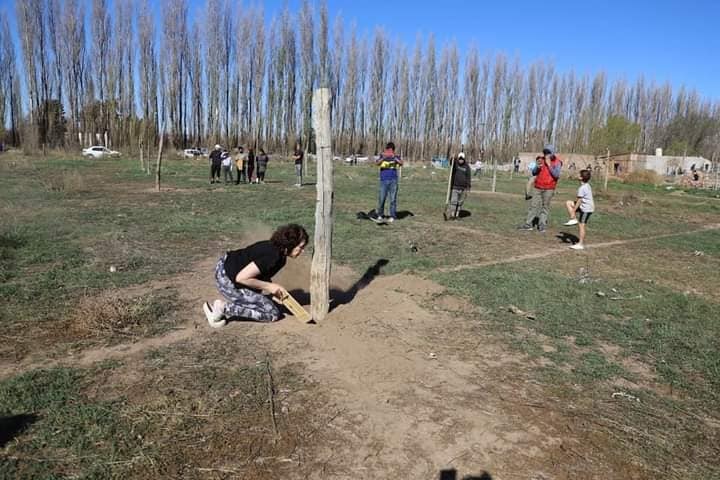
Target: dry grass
column 114, row 316
column 643, row 177
column 71, row 181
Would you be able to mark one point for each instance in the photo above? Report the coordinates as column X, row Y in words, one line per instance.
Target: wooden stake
column 494, row 179
column 142, row 160
column 449, row 186
column 607, row 170
column 322, row 256
column 158, row 165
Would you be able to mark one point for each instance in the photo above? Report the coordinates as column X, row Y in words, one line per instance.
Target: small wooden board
column 296, row 309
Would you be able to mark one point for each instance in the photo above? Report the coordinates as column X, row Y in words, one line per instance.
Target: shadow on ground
column 343, row 297
column 401, row 214
column 566, row 237
column 451, row 474
column 14, row 425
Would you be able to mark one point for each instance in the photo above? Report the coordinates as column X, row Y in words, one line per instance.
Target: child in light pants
column 227, row 167
column 582, row 208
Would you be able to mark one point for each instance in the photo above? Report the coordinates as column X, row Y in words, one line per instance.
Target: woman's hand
column 277, row 291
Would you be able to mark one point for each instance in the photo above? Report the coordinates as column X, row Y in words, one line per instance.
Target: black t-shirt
column 268, row 258
column 299, row 154
column 216, row 157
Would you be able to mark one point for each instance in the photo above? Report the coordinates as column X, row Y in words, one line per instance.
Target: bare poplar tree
column 378, row 76
column 175, row 65
column 307, row 68
column 147, row 72
column 101, row 35
column 429, row 91
column 258, row 65
column 32, row 24
column 213, row 59
column 336, row 81
column 350, row 93
column 471, row 85
column 195, row 79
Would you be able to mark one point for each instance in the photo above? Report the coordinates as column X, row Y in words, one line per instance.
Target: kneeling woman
column 242, row 275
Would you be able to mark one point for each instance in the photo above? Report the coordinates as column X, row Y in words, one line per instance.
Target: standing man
column 516, row 165
column 240, row 165
column 389, row 163
column 460, row 184
column 298, row 157
column 547, row 174
column 215, row 163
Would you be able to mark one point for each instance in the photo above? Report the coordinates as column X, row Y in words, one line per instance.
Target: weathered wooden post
column 322, row 255
column 158, row 165
column 607, row 170
column 494, row 177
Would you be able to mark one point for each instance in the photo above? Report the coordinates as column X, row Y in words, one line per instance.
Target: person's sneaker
column 528, row 197
column 391, row 219
column 571, row 222
column 578, row 246
column 377, row 219
column 525, row 226
column 541, row 228
column 214, row 316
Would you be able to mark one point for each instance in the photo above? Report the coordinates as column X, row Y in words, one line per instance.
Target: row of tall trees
column 111, row 71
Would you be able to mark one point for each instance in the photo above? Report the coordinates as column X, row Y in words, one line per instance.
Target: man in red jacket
column 547, row 174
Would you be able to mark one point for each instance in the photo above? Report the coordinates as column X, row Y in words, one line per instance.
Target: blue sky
column 664, row 40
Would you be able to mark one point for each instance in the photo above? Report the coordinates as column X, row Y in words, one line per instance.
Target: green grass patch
column 677, row 335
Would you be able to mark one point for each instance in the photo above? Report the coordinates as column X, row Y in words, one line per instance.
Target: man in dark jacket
column 215, row 164
column 460, row 185
column 547, row 174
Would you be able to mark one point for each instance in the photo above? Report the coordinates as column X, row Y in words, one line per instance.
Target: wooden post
column 158, row 165
column 607, row 170
column 322, row 256
column 142, row 160
column 494, row 179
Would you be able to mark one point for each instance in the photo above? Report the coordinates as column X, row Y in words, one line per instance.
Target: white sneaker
column 391, row 219
column 578, row 246
column 572, row 221
column 214, row 315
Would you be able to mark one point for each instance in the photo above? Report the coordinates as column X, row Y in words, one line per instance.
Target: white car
column 99, row 152
column 192, row 152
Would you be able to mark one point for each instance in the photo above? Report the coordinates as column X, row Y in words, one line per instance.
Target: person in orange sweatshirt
column 547, row 174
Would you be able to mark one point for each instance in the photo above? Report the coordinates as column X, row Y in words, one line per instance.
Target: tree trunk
column 322, row 257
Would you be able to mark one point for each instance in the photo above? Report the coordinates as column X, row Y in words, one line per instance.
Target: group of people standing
column 540, row 189
column 243, row 164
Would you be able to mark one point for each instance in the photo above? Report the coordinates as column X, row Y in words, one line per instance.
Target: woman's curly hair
column 288, row 237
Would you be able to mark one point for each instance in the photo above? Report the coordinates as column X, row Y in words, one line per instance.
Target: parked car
column 99, row 152
column 192, row 152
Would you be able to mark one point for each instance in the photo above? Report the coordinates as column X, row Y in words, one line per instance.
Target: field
column 453, row 350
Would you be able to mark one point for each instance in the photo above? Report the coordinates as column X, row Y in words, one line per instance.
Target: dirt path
column 556, row 251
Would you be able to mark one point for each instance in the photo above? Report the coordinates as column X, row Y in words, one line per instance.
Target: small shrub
column 66, row 182
column 642, row 177
column 102, row 317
